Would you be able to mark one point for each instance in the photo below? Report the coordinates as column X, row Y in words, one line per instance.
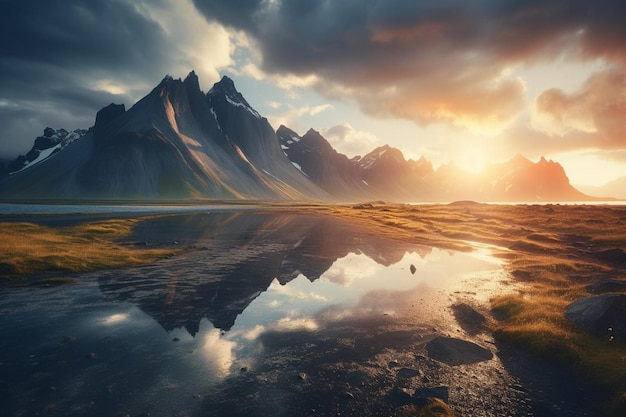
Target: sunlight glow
column 473, row 159
column 109, row 87
column 589, row 167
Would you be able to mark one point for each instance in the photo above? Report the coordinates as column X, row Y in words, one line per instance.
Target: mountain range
column 178, row 143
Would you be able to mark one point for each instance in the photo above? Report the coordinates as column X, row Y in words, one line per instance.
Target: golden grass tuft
column 27, row 248
column 434, row 407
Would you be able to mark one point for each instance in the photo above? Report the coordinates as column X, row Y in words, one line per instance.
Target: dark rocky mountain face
column 174, row 143
column 332, row 171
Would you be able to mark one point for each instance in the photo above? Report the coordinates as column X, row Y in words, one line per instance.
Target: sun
column 473, row 158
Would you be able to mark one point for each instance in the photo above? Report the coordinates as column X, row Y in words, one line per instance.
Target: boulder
column 453, row 351
column 607, row 285
column 601, row 315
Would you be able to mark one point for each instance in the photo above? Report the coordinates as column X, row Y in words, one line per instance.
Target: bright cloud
column 349, row 141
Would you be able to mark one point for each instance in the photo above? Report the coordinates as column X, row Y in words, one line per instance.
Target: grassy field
column 28, row 249
column 555, row 251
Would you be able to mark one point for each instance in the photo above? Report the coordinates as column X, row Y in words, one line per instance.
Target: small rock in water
column 302, row 376
column 176, row 339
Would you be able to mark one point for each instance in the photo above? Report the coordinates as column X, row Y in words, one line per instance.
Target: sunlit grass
column 27, row 248
column 433, row 407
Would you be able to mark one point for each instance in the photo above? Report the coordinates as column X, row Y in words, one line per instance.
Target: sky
column 450, row 80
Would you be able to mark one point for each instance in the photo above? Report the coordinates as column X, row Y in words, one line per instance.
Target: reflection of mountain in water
column 234, row 258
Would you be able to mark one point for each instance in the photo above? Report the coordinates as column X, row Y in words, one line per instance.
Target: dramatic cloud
column 442, row 61
column 62, row 60
column 598, row 107
column 290, row 116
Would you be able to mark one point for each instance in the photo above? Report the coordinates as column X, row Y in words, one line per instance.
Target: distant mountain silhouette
column 615, row 189
column 385, row 174
column 180, row 143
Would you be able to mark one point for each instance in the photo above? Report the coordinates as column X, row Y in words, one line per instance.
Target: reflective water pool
column 264, row 314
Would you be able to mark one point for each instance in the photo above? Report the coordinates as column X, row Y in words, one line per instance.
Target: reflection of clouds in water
column 334, row 314
column 115, row 318
column 218, row 352
column 254, row 333
column 292, row 291
column 349, row 268
column 300, row 323
column 273, row 303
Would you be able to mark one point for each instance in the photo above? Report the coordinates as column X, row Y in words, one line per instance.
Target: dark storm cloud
column 53, row 51
column 236, row 13
column 429, row 60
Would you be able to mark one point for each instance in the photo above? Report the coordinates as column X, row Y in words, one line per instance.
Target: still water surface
column 265, row 314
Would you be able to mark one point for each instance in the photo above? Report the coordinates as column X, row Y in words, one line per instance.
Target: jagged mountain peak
column 191, row 81
column 384, row 152
column 284, row 130
column 225, row 90
column 312, row 131
column 226, row 87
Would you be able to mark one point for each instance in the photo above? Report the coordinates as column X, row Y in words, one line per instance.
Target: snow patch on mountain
column 215, row 116
column 42, row 156
column 244, row 106
column 45, row 147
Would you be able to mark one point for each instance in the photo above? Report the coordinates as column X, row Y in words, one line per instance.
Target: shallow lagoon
column 264, row 314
